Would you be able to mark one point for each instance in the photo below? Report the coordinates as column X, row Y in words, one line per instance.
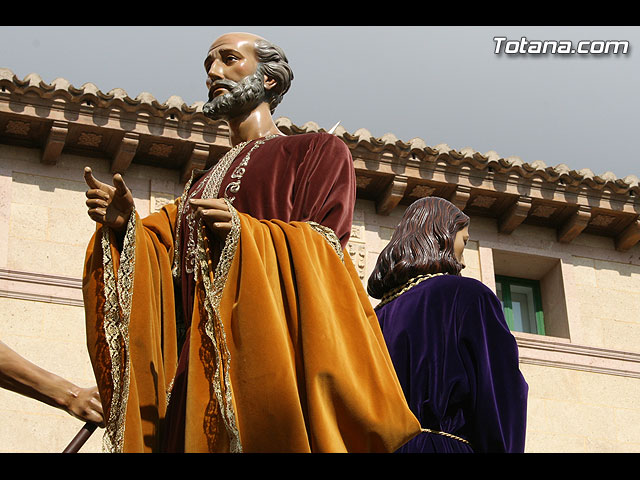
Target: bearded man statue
column 281, row 349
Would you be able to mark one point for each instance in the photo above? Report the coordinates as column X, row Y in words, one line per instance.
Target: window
column 521, row 303
column 547, row 273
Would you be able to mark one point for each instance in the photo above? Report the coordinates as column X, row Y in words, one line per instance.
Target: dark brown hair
column 422, row 243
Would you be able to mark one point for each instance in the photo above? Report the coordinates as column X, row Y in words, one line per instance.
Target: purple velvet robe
column 457, row 363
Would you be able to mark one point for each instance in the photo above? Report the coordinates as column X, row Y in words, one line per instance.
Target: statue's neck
column 256, row 124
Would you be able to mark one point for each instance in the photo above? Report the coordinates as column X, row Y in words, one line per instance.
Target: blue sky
column 443, row 84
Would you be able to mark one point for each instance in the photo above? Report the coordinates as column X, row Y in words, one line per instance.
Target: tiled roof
column 415, row 148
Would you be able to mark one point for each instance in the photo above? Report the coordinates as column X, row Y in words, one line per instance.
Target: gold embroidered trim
column 329, row 236
column 396, row 292
column 238, row 173
column 214, row 323
column 210, row 188
column 168, row 392
column 445, row 434
column 196, row 262
column 117, row 313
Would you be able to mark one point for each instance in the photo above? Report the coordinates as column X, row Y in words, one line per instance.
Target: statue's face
column 235, row 85
column 462, row 237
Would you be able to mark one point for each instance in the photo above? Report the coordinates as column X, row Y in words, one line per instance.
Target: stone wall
column 44, row 231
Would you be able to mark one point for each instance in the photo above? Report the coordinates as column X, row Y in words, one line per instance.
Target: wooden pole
column 81, row 437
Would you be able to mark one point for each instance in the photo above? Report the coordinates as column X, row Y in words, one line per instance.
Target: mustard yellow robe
column 286, row 353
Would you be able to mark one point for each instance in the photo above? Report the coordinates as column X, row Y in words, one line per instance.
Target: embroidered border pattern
column 213, row 293
column 238, row 173
column 196, row 258
column 117, row 312
column 330, row 237
column 211, row 188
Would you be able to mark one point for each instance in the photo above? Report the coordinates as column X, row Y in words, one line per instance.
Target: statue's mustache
column 226, row 84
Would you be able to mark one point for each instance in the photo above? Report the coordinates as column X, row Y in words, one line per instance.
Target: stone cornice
column 40, row 287
column 415, row 148
column 59, row 117
column 561, row 353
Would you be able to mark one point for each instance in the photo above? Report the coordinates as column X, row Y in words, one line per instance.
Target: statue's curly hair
column 273, row 63
column 422, row 243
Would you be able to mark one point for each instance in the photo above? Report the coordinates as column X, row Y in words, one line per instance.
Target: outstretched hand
column 19, row 375
column 215, row 214
column 108, row 205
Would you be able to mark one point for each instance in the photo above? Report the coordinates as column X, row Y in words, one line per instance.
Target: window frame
column 505, row 283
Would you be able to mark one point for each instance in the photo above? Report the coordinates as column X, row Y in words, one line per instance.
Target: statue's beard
column 242, row 97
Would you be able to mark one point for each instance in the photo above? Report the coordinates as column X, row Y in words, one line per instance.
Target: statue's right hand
column 108, row 205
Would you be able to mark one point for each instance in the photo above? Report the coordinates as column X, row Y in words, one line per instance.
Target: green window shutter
column 522, row 304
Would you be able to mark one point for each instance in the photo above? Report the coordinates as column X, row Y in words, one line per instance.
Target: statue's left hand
column 215, row 214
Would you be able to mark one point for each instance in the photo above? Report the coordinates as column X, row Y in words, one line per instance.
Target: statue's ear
column 269, row 82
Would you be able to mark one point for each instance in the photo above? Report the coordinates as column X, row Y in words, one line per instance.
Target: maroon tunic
column 299, row 178
column 307, row 177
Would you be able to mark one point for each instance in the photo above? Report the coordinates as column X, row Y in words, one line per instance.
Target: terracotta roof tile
column 361, row 137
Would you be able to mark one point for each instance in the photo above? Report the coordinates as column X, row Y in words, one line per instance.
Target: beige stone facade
column 574, row 232
column 43, row 239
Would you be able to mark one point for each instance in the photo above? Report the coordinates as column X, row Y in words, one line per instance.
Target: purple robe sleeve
column 498, row 391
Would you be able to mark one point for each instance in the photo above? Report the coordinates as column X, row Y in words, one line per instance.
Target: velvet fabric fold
column 285, row 351
column 134, row 354
column 310, row 371
column 457, row 363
